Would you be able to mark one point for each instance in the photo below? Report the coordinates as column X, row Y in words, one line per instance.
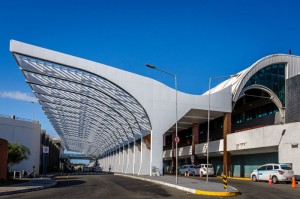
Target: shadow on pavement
column 68, row 182
column 145, row 187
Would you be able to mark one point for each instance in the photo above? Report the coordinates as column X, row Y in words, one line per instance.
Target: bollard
column 293, row 182
column 225, row 183
column 270, row 180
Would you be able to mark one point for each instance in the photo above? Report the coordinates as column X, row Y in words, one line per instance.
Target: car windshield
column 209, row 166
column 285, row 167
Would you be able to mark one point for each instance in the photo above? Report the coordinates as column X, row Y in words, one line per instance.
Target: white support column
column 137, row 158
column 127, row 157
column 156, row 151
column 119, row 154
column 123, row 158
column 141, row 160
column 145, row 160
column 109, row 159
column 133, row 163
column 151, row 150
column 105, row 160
column 113, row 161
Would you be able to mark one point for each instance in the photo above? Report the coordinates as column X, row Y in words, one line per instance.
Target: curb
column 194, row 191
column 29, row 189
column 236, row 178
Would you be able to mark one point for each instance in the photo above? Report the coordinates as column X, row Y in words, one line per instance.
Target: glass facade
column 273, row 77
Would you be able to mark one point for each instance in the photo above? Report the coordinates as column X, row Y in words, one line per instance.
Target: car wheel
column 254, row 178
column 274, row 180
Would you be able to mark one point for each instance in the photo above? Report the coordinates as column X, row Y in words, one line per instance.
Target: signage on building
column 45, row 149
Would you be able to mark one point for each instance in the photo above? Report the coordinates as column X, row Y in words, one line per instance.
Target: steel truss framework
column 91, row 114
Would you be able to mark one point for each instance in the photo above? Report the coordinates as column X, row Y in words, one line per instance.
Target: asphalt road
column 106, row 187
column 111, row 187
column 260, row 190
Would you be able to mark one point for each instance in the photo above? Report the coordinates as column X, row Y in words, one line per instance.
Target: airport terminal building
column 128, row 121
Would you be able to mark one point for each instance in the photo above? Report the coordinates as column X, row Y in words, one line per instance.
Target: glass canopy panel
column 86, row 110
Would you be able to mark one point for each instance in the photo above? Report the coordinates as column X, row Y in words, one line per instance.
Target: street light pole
column 176, row 144
column 175, row 78
column 208, row 119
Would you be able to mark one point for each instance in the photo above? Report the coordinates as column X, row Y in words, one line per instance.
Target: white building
column 125, row 119
column 28, row 133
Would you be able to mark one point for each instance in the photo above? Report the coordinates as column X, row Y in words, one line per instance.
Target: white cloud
column 18, row 96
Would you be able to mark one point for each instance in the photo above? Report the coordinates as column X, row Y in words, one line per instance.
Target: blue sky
column 194, row 39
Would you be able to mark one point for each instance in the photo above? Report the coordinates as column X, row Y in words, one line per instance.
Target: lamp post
column 175, row 78
column 208, row 117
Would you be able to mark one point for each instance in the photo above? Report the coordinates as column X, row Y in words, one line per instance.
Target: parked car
column 201, row 169
column 187, row 168
column 277, row 172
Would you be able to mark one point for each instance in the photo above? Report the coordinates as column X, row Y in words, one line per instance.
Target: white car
column 201, row 169
column 277, row 172
column 187, row 168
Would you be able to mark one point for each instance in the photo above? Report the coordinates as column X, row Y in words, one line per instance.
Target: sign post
column 45, row 151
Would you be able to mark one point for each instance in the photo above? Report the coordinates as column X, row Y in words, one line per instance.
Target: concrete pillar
column 227, row 155
column 156, row 156
column 137, row 154
column 195, row 140
column 145, row 158
column 130, row 159
column 3, row 158
column 123, row 160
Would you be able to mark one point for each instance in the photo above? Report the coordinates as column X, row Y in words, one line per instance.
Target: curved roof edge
column 243, row 76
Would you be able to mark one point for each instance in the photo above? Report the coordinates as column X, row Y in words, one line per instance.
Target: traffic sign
column 177, row 139
column 45, row 149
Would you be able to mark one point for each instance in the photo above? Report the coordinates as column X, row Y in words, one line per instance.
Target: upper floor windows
column 273, row 77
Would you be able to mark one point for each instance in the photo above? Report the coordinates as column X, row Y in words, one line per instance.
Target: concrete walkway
column 31, row 185
column 189, row 185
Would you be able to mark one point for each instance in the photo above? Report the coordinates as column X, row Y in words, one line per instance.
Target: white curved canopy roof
column 96, row 108
column 90, row 113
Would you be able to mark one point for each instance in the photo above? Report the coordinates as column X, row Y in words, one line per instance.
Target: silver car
column 187, row 168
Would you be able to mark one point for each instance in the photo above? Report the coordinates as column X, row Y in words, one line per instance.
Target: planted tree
column 17, row 153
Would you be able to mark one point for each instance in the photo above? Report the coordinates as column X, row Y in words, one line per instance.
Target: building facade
column 50, row 162
column 128, row 121
column 27, row 132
